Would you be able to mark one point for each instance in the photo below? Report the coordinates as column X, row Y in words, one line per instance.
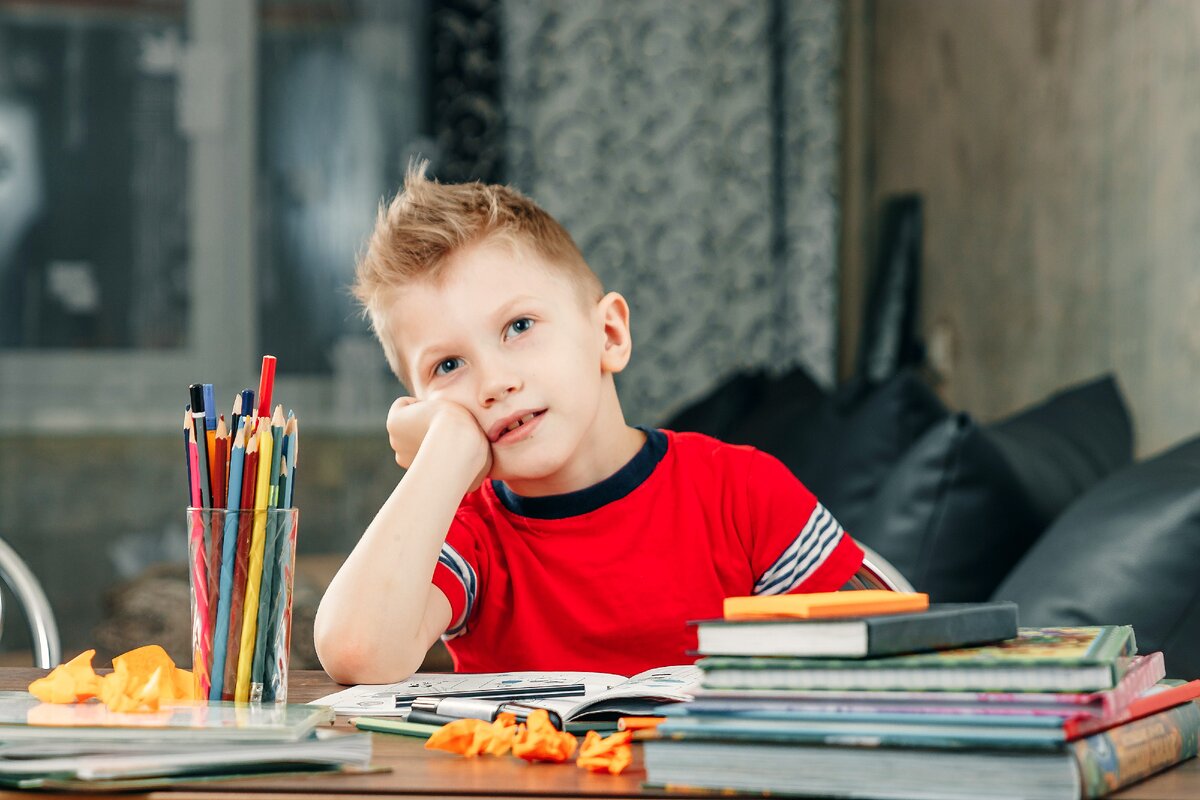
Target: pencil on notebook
column 228, row 556
column 255, row 567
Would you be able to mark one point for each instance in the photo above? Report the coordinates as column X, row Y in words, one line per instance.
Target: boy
column 533, row 528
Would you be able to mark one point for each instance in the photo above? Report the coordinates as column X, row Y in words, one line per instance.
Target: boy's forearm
column 369, row 624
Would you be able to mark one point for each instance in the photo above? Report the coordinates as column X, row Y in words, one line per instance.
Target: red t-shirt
column 606, row 578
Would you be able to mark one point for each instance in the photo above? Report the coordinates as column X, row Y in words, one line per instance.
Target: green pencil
column 393, row 726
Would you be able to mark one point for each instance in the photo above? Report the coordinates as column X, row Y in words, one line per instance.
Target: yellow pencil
column 255, row 569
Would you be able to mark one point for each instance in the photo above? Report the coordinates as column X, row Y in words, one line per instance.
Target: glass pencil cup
column 241, row 570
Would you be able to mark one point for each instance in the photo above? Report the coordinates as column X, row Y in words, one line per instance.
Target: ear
column 613, row 313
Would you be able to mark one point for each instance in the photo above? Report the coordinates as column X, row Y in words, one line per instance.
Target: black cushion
column 1127, row 552
column 951, row 515
column 857, row 438
column 752, row 407
column 1061, row 447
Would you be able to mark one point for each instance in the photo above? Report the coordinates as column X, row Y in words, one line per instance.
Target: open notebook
column 580, row 695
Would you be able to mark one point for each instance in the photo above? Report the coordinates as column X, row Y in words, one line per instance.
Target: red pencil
column 266, row 385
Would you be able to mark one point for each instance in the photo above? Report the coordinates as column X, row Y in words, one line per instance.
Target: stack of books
column 843, row 707
column 84, row 746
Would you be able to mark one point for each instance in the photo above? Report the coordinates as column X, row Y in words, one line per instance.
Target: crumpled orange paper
column 141, row 680
column 610, row 753
column 538, row 740
column 470, row 737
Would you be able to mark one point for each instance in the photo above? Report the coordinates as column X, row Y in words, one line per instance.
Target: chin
column 530, row 467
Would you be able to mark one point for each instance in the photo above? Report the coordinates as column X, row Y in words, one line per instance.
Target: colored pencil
column 235, row 417
column 188, row 433
column 273, row 580
column 277, row 635
column 292, row 431
column 276, row 455
column 255, row 569
column 221, row 460
column 197, row 392
column 266, row 385
column 202, row 641
column 210, row 429
column 229, row 547
column 241, row 565
column 270, row 555
column 248, row 403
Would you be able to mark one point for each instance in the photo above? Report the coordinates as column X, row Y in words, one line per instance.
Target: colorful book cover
column 1039, row 659
column 1053, row 647
column 1116, row 758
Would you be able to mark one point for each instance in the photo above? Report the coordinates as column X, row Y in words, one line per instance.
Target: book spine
column 1116, row 758
column 1140, row 677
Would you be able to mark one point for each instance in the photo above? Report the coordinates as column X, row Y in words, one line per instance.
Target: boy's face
column 513, row 341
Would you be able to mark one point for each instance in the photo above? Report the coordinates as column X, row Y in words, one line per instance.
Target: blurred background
column 184, row 186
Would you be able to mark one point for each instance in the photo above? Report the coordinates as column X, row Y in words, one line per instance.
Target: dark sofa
column 1047, row 507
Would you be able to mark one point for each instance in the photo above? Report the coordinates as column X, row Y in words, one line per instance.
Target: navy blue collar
column 612, row 488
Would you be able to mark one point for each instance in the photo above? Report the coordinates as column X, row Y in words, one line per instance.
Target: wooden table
column 416, row 772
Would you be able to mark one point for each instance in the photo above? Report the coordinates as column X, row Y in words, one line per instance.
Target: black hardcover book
column 942, row 626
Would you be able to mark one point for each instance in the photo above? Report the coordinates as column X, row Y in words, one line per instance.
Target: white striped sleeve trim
column 804, row 555
column 466, row 576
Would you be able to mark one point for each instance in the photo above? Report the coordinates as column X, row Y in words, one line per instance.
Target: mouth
column 511, row 427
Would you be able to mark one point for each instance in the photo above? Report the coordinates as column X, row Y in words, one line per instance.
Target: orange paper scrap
column 141, row 680
column 538, row 740
column 610, row 754
column 823, row 605
column 470, row 737
column 72, row 682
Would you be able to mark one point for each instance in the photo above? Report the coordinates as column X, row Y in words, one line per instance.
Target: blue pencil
column 229, row 546
column 210, row 411
column 248, row 403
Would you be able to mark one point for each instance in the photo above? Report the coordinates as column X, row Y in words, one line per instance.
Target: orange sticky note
column 822, row 605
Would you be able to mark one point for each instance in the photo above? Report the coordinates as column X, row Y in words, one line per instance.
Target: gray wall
column 1057, row 146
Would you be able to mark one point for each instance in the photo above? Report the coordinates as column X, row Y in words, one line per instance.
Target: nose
column 497, row 382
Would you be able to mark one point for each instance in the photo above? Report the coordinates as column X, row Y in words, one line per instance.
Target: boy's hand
column 410, row 419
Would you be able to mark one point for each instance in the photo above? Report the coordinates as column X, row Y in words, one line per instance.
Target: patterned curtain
column 691, row 149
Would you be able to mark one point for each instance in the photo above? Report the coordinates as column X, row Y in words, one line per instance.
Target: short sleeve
column 458, row 570
column 795, row 543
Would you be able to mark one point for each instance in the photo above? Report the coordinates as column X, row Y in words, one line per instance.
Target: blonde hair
column 427, row 221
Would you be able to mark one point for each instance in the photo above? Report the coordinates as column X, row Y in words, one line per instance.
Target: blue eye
column 517, row 327
column 447, row 365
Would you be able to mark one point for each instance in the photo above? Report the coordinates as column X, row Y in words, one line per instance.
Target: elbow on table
column 348, row 660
